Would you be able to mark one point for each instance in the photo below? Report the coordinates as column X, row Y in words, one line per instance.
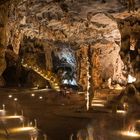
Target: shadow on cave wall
column 32, row 51
column 130, row 47
column 15, row 74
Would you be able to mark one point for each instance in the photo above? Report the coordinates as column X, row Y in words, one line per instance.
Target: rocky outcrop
column 50, row 21
column 83, row 65
column 107, row 48
column 72, row 22
column 3, row 40
column 130, row 46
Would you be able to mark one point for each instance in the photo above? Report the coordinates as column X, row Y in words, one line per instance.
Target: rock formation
column 75, row 23
column 130, row 46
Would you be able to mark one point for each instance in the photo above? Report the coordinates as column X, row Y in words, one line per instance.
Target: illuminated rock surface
column 75, row 45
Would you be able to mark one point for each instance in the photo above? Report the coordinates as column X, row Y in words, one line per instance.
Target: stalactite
column 91, row 77
column 83, row 63
column 96, row 72
column 78, row 61
column 129, row 51
column 88, row 84
column 48, row 54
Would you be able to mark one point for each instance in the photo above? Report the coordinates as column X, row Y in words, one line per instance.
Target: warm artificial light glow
column 118, row 87
column 48, row 75
column 40, row 97
column 130, row 133
column 32, row 95
column 121, row 111
column 15, row 99
column 3, row 106
column 11, row 117
column 81, row 92
column 138, row 121
column 21, row 129
column 131, row 79
column 10, row 96
column 98, row 105
column 125, row 105
column 2, row 111
column 99, row 101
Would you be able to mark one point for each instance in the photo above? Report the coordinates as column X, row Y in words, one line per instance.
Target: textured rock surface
column 3, row 41
column 130, row 48
column 82, row 23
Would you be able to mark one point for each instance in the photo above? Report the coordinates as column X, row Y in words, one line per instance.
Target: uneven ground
column 56, row 115
column 65, row 116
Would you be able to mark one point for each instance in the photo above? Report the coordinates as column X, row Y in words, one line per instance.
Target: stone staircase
column 46, row 74
column 107, row 102
column 99, row 105
column 97, row 102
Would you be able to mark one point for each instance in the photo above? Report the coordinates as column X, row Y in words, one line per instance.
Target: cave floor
column 60, row 116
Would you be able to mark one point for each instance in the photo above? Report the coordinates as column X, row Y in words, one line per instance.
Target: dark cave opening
column 13, row 79
column 63, row 61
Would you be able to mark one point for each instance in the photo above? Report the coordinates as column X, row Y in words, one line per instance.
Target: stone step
column 48, row 75
column 98, row 103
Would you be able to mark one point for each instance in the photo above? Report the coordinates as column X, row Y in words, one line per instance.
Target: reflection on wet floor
column 64, row 119
column 13, row 127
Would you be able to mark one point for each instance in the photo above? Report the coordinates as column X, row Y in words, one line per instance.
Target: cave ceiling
column 67, row 21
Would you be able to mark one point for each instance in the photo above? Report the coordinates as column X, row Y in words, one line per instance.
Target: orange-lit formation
column 48, row 75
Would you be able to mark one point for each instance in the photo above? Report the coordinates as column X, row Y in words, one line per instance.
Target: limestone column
column 48, row 54
column 3, row 40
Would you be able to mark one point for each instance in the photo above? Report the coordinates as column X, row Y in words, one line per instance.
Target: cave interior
column 70, row 68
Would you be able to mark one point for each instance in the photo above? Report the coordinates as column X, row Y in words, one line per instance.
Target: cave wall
column 82, row 55
column 130, row 48
column 32, row 53
column 49, row 22
column 3, row 40
column 106, row 61
column 108, row 49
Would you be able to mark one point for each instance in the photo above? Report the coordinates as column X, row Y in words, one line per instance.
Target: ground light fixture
column 40, row 97
column 10, row 96
column 32, row 94
column 15, row 99
column 130, row 133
